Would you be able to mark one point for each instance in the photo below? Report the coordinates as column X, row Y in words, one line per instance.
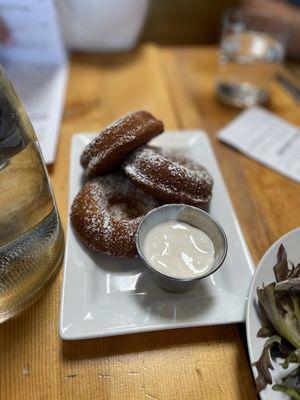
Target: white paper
column 36, row 64
column 267, row 138
column 42, row 91
column 34, row 32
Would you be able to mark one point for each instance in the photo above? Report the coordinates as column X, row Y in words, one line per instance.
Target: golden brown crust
column 106, row 213
column 111, row 145
column 169, row 178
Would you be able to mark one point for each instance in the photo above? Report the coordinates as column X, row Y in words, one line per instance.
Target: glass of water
column 31, row 239
column 253, row 45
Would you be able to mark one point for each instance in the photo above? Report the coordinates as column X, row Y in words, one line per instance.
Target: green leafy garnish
column 291, row 391
column 279, row 311
column 283, row 312
column 263, row 364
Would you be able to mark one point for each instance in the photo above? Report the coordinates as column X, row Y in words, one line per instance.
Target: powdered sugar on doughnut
column 106, row 213
column 115, row 141
column 169, row 177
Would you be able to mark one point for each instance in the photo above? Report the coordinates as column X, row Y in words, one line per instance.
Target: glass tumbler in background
column 252, row 47
column 31, row 238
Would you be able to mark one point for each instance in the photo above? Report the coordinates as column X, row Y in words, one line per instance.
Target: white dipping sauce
column 178, row 249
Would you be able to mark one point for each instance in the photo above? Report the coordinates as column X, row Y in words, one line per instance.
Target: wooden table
column 176, row 84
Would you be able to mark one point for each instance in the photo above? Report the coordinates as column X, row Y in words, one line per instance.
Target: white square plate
column 104, row 296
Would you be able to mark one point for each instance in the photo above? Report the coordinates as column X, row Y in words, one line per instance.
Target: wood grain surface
column 175, row 84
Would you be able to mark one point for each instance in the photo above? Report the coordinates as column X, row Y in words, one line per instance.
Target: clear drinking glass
column 31, row 238
column 252, row 46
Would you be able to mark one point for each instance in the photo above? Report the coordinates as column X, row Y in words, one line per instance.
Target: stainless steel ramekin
column 190, row 215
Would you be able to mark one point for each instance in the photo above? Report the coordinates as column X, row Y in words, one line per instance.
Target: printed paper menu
column 36, row 64
column 267, row 138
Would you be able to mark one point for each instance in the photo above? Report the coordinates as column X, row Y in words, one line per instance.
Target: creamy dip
column 178, row 249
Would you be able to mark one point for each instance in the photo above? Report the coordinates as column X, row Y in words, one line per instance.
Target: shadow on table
column 140, row 342
column 171, row 307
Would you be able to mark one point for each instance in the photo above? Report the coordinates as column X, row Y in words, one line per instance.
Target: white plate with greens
column 264, row 275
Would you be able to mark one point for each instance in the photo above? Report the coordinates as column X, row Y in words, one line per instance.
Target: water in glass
column 31, row 239
column 248, row 61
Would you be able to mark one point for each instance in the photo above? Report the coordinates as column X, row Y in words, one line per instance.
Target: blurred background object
column 287, row 10
column 104, row 25
column 253, row 45
column 118, row 25
column 184, row 21
column 5, row 36
column 33, row 55
column 199, row 22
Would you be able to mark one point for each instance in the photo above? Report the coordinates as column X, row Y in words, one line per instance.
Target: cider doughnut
column 114, row 142
column 168, row 177
column 106, row 213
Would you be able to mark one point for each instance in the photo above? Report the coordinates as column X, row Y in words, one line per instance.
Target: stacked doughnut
column 126, row 179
